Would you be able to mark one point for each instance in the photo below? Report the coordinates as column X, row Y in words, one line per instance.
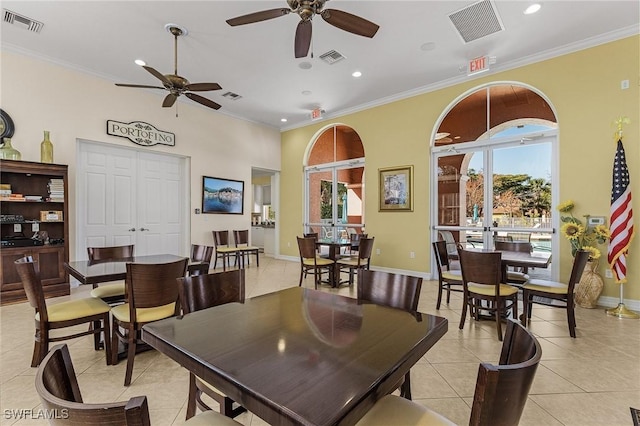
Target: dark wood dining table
column 335, row 245
column 299, row 356
column 95, row 272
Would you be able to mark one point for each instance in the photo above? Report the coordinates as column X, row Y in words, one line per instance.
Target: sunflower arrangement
column 581, row 236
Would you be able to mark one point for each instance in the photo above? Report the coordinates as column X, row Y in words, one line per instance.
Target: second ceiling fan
column 307, row 9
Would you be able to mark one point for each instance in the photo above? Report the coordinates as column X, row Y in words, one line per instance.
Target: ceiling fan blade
column 140, row 85
column 303, row 39
column 202, row 87
column 157, row 75
column 258, row 16
column 169, row 100
column 202, row 100
column 351, row 23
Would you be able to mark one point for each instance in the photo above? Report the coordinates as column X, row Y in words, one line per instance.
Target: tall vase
column 46, row 149
column 590, row 286
column 8, row 152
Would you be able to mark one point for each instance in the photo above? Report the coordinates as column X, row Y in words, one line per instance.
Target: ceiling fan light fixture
column 140, row 62
column 176, row 29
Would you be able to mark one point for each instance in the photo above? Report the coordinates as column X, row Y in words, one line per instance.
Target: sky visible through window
column 533, row 160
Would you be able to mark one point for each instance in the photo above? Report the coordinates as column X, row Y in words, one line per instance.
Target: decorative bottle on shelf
column 8, row 152
column 46, row 149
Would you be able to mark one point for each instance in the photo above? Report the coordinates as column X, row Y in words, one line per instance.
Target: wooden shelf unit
column 30, row 178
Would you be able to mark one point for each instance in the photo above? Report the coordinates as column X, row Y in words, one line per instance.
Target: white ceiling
column 257, row 61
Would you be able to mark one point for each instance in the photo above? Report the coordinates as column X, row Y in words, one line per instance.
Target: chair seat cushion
column 226, row 250
column 517, row 276
column 320, row 261
column 210, row 386
column 489, row 290
column 395, row 410
column 248, row 248
column 75, row 309
column 352, row 261
column 108, row 290
column 452, row 275
column 121, row 313
column 211, row 418
column 547, row 286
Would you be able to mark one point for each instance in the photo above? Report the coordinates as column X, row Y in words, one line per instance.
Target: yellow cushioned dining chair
column 361, row 261
column 311, row 261
column 549, row 293
column 447, row 277
column 482, row 282
column 201, row 258
column 241, row 238
column 152, row 295
column 223, row 250
column 500, row 396
column 202, row 292
column 57, row 387
column 61, row 315
column 111, row 293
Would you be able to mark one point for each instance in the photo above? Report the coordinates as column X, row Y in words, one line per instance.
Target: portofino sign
column 140, row 133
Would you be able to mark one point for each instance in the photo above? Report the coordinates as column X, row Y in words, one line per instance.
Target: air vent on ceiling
column 477, row 21
column 22, row 21
column 331, row 57
column 232, row 96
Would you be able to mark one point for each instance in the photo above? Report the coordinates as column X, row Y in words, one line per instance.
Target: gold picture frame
column 396, row 189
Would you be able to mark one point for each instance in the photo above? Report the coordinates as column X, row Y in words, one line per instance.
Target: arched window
column 334, row 177
column 493, row 157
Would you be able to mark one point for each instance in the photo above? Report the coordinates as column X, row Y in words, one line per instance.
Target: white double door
column 126, row 196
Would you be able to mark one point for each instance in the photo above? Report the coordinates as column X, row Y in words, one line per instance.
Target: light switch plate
column 596, row 220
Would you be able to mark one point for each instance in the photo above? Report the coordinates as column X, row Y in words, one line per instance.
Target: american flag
column 621, row 216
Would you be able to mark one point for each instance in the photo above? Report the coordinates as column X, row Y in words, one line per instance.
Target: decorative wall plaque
column 140, row 133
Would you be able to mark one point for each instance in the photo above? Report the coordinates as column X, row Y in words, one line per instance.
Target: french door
column 126, row 196
column 335, row 199
column 496, row 189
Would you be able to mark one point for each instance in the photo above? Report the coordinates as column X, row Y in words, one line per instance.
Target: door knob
column 132, row 230
column 144, row 229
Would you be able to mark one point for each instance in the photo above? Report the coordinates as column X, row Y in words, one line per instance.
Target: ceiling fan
column 307, row 9
column 175, row 84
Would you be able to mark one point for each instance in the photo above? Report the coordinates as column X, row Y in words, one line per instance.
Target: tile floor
column 590, row 380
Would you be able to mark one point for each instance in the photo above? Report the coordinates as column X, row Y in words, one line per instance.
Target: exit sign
column 478, row 65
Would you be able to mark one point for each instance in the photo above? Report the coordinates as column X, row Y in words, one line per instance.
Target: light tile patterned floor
column 590, row 380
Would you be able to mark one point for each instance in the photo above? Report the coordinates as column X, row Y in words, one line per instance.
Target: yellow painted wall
column 583, row 87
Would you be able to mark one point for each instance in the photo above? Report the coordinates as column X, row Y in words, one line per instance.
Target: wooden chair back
column 519, row 236
column 57, row 386
column 153, row 285
column 502, row 390
column 30, row 277
column 221, row 238
column 442, row 257
column 481, row 267
column 241, row 237
column 307, row 247
column 201, row 253
column 110, row 253
column 579, row 263
column 311, row 235
column 394, row 290
column 205, row 291
column 519, row 246
column 365, row 248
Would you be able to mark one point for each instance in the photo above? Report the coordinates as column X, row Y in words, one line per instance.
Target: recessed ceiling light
column 428, row 46
column 284, row 120
column 306, row 92
column 305, row 65
column 357, row 74
column 140, row 62
column 532, row 9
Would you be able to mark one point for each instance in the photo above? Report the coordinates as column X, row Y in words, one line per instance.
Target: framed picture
column 396, row 189
column 224, row 196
